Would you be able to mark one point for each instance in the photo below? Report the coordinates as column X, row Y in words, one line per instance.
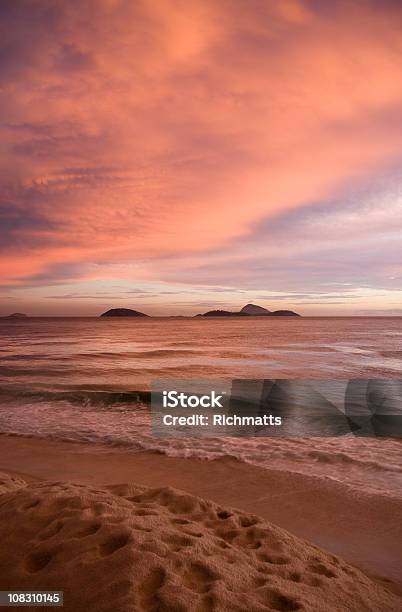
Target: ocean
column 86, row 379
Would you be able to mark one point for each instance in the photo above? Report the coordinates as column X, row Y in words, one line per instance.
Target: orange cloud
column 139, row 131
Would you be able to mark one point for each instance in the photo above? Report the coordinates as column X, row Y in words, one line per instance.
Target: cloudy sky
column 179, row 155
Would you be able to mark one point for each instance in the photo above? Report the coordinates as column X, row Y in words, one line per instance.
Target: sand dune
column 125, row 548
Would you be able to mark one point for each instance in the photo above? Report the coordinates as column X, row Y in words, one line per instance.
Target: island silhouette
column 123, row 312
column 249, row 310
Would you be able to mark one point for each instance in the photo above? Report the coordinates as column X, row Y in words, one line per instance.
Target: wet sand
column 363, row 529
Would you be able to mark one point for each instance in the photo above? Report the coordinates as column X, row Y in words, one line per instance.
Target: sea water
column 86, row 379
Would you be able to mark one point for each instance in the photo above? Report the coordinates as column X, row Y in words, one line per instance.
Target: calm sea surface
column 77, row 379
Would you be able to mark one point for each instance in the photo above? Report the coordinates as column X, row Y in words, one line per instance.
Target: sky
column 175, row 156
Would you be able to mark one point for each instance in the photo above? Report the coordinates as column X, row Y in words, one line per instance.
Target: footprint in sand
column 113, row 543
column 199, row 578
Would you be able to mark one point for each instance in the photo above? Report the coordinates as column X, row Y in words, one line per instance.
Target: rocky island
column 123, row 312
column 222, row 313
column 250, row 310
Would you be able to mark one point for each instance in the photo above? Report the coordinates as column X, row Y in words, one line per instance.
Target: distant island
column 17, row 315
column 250, row 310
column 123, row 312
column 223, row 313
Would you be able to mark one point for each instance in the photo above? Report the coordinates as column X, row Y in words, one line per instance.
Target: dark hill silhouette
column 253, row 309
column 250, row 310
column 284, row 313
column 223, row 313
column 123, row 312
column 17, row 315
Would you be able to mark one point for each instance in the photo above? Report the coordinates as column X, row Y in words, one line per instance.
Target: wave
column 139, row 354
column 149, row 353
column 81, row 397
column 344, row 458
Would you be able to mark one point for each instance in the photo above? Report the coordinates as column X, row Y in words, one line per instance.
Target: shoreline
column 363, row 528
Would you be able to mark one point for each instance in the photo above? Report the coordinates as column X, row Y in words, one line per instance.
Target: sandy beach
column 99, row 485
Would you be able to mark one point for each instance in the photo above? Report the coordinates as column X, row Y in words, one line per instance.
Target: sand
column 10, row 483
column 122, row 548
column 365, row 530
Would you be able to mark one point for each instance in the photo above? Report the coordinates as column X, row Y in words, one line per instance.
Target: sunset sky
column 175, row 156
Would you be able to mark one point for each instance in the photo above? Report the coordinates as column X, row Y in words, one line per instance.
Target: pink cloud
column 148, row 130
